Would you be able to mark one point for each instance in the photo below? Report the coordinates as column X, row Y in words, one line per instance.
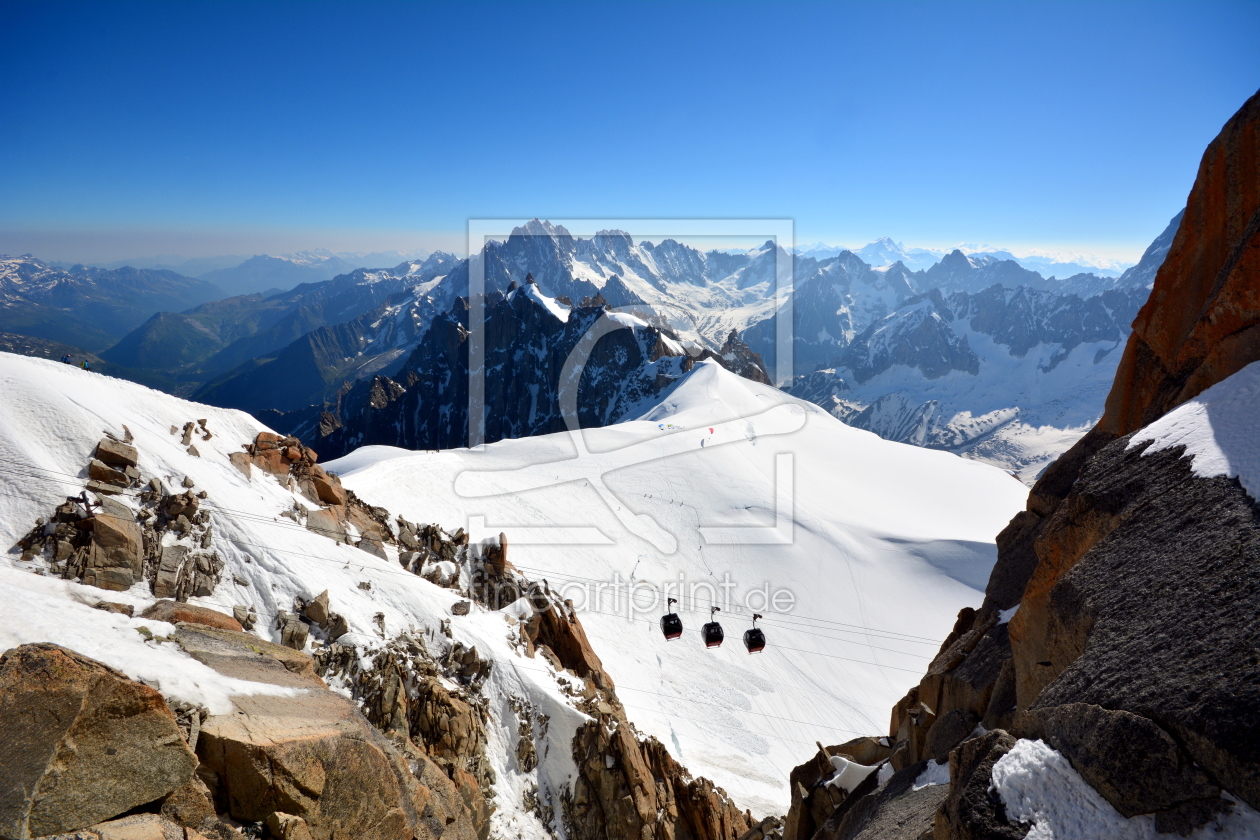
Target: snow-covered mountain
column 88, row 307
column 864, row 534
column 880, row 330
column 240, row 275
column 975, row 355
column 209, row 340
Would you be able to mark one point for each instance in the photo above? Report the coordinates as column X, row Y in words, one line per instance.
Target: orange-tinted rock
column 267, row 440
column 271, row 460
column 327, row 487
column 1202, row 321
column 174, row 612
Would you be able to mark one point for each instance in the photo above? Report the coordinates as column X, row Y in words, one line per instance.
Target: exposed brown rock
column 189, row 805
column 1202, row 321
column 497, row 557
column 175, row 612
column 136, row 827
column 80, row 743
column 113, row 559
column 114, row 607
column 311, row 757
column 241, row 461
column 327, row 487
column 814, row 802
column 317, row 608
column 326, row 523
column 631, row 789
column 1129, row 759
column 99, row 471
column 1123, row 653
column 973, row 810
column 116, row 454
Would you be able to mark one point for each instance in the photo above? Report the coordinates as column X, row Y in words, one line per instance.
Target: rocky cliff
column 1111, row 677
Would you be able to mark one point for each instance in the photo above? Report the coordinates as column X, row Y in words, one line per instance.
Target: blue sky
column 135, row 129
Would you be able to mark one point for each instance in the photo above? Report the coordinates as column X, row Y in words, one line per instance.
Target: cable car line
column 390, row 569
column 262, row 518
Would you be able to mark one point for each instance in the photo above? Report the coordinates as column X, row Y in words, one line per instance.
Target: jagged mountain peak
column 538, row 227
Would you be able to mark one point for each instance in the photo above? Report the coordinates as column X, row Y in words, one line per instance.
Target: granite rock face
column 1202, row 321
column 80, row 743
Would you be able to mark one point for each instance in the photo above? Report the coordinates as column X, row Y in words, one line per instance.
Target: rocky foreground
column 400, row 749
column 1117, row 652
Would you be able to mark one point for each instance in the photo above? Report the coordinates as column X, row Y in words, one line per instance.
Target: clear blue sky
column 245, row 127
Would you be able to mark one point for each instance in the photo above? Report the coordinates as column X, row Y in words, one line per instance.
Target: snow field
column 886, row 543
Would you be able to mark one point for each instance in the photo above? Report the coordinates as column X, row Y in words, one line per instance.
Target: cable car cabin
column 754, row 639
column 671, row 625
column 712, row 631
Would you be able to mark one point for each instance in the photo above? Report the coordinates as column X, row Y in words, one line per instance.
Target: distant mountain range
column 972, row 353
column 88, row 307
column 885, row 251
column 242, row 275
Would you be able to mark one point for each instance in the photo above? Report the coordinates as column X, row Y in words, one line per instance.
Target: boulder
column 317, row 609
column 174, row 612
column 241, row 461
column 293, row 632
column 115, row 607
column 373, row 545
column 288, row 827
column 267, row 441
column 311, row 757
column 80, row 743
column 189, row 805
column 271, row 460
column 973, row 810
column 327, row 487
column 99, row 471
column 181, row 504
column 246, row 656
column 116, row 454
column 245, row 616
column 337, row 626
column 1129, row 759
column 166, row 578
column 114, row 559
column 326, row 523
column 138, row 827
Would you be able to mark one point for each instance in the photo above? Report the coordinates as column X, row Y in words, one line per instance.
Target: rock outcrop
column 80, row 743
column 1118, row 623
column 310, row 762
column 1200, row 324
column 99, row 540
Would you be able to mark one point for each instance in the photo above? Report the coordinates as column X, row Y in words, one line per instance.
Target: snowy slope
column 881, row 545
column 1219, row 428
column 51, row 417
column 887, row 542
